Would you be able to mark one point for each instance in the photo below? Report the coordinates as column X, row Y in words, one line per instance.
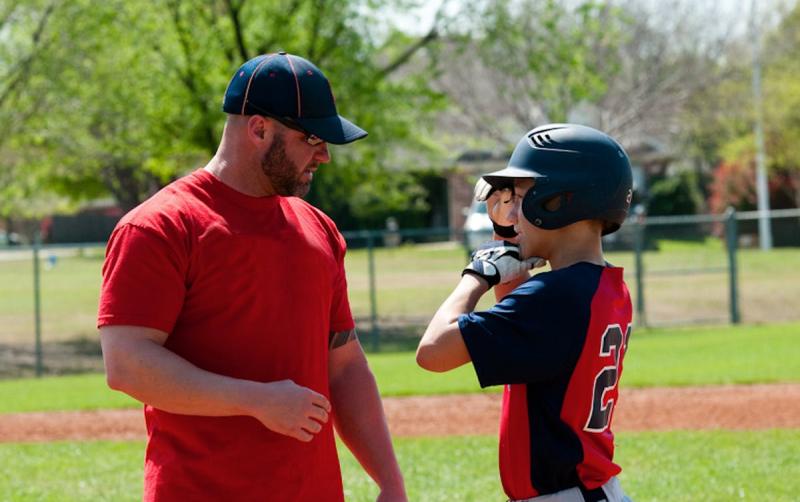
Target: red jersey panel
column 248, row 287
column 593, row 389
column 557, row 343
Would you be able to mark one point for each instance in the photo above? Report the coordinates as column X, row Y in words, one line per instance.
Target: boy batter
column 555, row 340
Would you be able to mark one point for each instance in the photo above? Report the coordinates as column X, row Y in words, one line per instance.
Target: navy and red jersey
column 557, row 344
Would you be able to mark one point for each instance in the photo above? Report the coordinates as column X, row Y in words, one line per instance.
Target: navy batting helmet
column 584, row 168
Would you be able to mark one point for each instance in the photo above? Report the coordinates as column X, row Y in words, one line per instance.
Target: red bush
column 733, row 184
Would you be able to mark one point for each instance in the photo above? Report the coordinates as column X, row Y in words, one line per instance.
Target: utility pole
column 764, row 229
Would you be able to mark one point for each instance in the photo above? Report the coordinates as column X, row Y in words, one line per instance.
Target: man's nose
column 321, row 154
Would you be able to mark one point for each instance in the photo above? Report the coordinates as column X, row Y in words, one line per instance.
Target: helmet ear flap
column 529, row 209
column 536, row 209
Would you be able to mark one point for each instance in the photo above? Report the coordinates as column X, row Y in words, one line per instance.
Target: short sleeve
column 143, row 280
column 533, row 334
column 341, row 316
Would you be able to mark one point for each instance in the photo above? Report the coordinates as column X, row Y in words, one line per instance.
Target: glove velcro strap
column 504, row 231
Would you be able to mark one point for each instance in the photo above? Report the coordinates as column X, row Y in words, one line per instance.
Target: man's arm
column 138, row 364
column 358, row 415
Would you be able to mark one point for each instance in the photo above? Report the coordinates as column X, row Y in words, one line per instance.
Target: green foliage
column 782, row 94
column 677, row 194
column 549, row 55
column 719, row 129
column 555, row 45
column 391, row 194
column 132, row 91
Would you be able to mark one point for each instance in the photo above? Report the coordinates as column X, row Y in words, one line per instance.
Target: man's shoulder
column 169, row 208
column 313, row 213
column 305, row 206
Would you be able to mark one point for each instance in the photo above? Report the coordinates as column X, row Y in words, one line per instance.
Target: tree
column 782, row 104
column 669, row 52
column 25, row 34
column 135, row 91
column 675, row 195
column 512, row 65
column 722, row 126
column 627, row 67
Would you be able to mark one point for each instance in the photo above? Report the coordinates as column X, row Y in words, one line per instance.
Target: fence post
column 731, row 238
column 373, row 307
column 638, row 247
column 37, row 304
column 465, row 244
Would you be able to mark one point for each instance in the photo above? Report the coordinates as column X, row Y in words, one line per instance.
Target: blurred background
column 103, row 103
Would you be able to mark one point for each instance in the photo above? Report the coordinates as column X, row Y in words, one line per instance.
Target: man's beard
column 283, row 173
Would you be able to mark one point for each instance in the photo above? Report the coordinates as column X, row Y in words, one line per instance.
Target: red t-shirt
column 248, row 287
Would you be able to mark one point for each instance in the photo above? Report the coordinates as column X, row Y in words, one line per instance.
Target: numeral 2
column 607, row 378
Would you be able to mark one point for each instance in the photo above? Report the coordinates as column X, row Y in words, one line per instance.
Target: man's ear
column 258, row 128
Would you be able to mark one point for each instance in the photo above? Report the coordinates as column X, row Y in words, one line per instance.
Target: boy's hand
column 499, row 203
column 498, row 262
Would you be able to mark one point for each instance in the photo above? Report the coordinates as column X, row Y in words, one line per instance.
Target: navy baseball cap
column 290, row 87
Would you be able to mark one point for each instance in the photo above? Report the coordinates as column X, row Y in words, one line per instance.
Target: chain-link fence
column 709, row 269
column 680, row 270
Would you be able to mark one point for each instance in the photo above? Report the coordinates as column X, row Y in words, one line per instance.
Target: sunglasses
column 311, row 139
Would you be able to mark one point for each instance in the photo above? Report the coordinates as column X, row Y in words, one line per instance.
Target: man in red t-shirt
column 556, row 340
column 224, row 310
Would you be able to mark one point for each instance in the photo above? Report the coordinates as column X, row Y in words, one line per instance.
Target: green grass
column 665, row 466
column 713, row 355
column 711, row 466
column 674, row 357
column 69, row 295
column 74, row 392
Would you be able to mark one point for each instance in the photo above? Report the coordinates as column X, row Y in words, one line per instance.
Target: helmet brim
column 506, row 175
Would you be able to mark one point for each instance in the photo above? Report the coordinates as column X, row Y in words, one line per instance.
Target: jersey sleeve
column 341, row 316
column 143, row 280
column 533, row 334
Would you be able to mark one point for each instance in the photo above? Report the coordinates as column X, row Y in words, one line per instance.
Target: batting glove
column 498, row 262
column 497, row 206
column 482, row 190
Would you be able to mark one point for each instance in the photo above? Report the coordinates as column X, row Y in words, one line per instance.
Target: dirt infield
column 719, row 407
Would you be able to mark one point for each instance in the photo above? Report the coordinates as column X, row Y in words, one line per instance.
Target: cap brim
column 503, row 175
column 336, row 129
